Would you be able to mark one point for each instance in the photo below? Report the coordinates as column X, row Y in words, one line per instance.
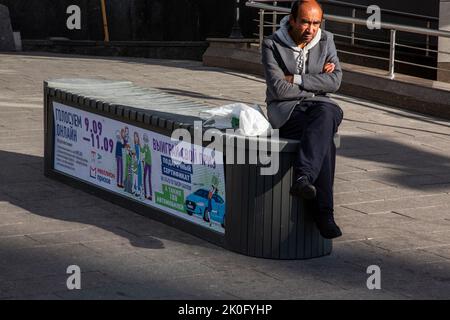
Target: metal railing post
column 274, row 18
column 105, row 21
column 428, row 39
column 392, row 55
column 236, row 30
column 353, row 27
column 261, row 27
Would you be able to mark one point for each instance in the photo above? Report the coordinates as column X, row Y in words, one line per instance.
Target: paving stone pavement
column 392, row 201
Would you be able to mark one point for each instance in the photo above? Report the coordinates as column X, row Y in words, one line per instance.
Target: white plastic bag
column 248, row 120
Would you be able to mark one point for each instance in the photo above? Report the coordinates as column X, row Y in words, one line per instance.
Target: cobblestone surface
column 392, row 201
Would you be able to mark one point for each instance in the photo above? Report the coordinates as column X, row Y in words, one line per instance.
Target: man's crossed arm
column 329, row 67
column 282, row 86
column 330, row 79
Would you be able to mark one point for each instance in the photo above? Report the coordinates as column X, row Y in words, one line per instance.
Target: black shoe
column 303, row 188
column 327, row 226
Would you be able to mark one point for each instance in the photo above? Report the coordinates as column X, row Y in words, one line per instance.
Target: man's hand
column 329, row 67
column 289, row 78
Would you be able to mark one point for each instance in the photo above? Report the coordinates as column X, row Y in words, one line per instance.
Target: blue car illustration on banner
column 209, row 207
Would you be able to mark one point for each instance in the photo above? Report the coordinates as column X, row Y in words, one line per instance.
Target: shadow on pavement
column 24, row 185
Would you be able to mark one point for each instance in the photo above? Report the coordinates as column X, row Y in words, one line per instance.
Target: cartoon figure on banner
column 147, row 161
column 126, row 136
column 119, row 156
column 139, row 172
column 128, row 169
column 134, row 165
column 213, row 190
column 93, row 166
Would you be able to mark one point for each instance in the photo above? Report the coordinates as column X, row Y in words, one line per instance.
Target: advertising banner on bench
column 141, row 165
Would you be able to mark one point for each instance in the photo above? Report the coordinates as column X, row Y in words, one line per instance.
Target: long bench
column 232, row 205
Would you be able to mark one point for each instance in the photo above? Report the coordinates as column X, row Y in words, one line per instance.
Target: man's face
column 308, row 21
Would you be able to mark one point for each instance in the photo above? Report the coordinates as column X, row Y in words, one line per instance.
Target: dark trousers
column 314, row 124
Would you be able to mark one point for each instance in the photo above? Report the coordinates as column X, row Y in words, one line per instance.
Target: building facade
column 196, row 20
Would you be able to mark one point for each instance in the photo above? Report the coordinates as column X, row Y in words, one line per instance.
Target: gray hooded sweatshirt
column 301, row 55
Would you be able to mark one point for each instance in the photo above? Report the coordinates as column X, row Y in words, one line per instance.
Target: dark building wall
column 195, row 20
column 183, row 20
column 40, row 19
column 426, row 8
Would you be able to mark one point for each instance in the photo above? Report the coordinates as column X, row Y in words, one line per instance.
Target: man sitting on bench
column 301, row 67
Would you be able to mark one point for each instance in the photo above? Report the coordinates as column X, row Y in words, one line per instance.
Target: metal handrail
column 360, row 6
column 393, row 27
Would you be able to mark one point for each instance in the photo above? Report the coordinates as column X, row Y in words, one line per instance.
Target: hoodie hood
column 300, row 54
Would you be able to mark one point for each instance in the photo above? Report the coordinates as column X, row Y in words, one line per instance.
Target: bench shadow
column 25, row 186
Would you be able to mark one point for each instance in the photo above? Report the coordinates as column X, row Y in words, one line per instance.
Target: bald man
column 301, row 67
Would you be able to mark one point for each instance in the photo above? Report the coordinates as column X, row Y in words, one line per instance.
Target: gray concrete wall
column 6, row 33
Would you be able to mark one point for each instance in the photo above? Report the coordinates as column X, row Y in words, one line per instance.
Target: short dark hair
column 298, row 3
